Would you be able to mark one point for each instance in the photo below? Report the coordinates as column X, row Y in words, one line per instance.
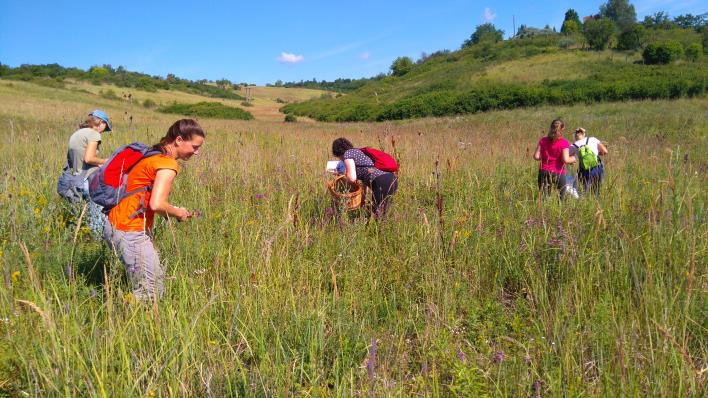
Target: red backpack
column 107, row 186
column 382, row 160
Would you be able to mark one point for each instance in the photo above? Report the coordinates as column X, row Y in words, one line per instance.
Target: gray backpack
column 70, row 186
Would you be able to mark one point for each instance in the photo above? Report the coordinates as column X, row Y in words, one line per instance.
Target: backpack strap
column 141, row 208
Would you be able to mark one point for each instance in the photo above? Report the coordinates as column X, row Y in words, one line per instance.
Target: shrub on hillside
column 598, row 32
column 401, row 66
column 207, row 109
column 148, row 103
column 246, row 103
column 694, row 52
column 486, row 32
column 662, row 53
column 109, row 94
column 290, row 118
column 632, row 38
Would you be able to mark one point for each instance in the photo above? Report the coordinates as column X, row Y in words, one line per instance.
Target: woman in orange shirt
column 129, row 230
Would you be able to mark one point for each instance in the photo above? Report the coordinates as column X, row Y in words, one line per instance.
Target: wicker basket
column 345, row 193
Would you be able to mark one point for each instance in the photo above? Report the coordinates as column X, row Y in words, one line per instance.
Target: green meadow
column 473, row 286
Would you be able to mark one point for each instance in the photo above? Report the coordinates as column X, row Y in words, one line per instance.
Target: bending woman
column 554, row 153
column 129, row 230
column 360, row 167
column 82, row 160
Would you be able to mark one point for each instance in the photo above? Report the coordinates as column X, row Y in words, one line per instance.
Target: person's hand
column 181, row 214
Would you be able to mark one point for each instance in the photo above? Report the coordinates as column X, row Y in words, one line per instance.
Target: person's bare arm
column 567, row 159
column 350, row 171
column 537, row 153
column 90, row 154
column 159, row 200
column 601, row 149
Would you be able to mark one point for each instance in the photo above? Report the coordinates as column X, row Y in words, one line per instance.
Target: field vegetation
column 473, row 287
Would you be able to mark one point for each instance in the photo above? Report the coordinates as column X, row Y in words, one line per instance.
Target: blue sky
column 262, row 41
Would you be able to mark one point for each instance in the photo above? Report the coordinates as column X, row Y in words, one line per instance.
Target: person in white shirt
column 591, row 179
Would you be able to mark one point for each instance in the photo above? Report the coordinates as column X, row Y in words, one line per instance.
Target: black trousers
column 383, row 187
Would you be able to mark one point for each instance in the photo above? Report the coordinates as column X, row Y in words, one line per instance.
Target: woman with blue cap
column 82, row 159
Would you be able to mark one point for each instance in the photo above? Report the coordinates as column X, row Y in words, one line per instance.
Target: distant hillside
column 520, row 72
column 54, row 75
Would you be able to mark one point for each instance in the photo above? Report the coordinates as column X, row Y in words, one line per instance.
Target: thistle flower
column 498, row 356
column 461, row 356
column 371, row 361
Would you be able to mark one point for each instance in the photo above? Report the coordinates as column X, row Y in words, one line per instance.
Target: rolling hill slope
column 511, row 74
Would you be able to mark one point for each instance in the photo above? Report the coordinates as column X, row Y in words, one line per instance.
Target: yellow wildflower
column 16, row 276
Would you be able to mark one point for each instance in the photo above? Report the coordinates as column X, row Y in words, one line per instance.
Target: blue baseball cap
column 102, row 115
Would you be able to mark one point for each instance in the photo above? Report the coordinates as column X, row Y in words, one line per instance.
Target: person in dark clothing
column 360, row 167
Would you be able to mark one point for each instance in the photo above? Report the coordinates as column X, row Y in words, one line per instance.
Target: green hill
column 550, row 69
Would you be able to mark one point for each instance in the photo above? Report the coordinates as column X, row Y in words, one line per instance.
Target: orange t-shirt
column 142, row 174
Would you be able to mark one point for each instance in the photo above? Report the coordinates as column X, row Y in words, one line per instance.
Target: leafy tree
column 571, row 22
column 571, row 15
column 620, row 12
column 598, row 32
column 659, row 20
column 632, row 38
column 689, row 21
column 663, row 52
column 485, row 32
column 98, row 72
column 570, row 27
column 223, row 83
column 278, row 83
column 401, row 66
column 694, row 52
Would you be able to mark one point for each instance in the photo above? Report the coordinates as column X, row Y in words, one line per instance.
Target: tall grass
column 269, row 295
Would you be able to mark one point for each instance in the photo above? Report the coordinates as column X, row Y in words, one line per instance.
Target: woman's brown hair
column 556, row 130
column 90, row 122
column 185, row 128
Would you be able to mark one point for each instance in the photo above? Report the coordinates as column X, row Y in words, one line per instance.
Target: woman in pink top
column 554, row 153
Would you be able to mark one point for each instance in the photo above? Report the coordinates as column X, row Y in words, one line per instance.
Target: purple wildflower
column 498, row 356
column 66, row 308
column 461, row 356
column 329, row 212
column 371, row 362
column 68, row 271
column 93, row 293
column 259, row 196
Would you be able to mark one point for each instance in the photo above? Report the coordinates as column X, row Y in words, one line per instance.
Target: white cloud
column 489, row 15
column 287, row 58
column 364, row 56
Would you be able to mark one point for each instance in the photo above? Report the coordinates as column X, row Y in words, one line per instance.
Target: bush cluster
column 662, row 53
column 215, row 110
column 611, row 82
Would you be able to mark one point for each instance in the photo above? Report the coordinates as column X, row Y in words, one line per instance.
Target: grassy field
column 264, row 99
column 473, row 287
